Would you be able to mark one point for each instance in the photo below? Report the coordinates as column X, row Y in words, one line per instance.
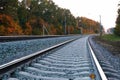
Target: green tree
column 117, row 28
column 9, row 7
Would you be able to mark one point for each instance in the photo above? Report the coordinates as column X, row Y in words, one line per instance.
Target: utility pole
column 43, row 30
column 100, row 27
column 79, row 23
column 64, row 22
column 65, row 25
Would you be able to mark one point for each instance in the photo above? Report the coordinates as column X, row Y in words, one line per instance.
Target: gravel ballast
column 16, row 49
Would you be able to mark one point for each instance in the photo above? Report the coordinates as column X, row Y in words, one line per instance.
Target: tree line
column 37, row 17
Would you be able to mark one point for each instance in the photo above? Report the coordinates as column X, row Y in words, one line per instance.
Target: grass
column 111, row 37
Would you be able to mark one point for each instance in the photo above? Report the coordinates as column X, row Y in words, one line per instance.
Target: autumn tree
column 23, row 16
column 88, row 25
column 8, row 26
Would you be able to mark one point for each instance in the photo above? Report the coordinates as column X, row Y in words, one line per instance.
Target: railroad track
column 73, row 61
column 25, row 37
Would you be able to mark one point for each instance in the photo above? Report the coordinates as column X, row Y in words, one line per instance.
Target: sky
column 93, row 9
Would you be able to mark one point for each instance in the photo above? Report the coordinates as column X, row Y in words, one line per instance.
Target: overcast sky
column 92, row 9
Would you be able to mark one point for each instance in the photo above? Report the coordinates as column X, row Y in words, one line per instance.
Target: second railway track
column 73, row 61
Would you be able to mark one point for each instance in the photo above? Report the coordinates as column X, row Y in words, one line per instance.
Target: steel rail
column 26, row 37
column 99, row 68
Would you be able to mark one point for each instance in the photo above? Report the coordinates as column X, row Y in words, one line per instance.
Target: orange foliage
column 28, row 29
column 53, row 30
column 33, row 24
column 90, row 26
column 2, row 30
column 70, row 29
column 8, row 26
